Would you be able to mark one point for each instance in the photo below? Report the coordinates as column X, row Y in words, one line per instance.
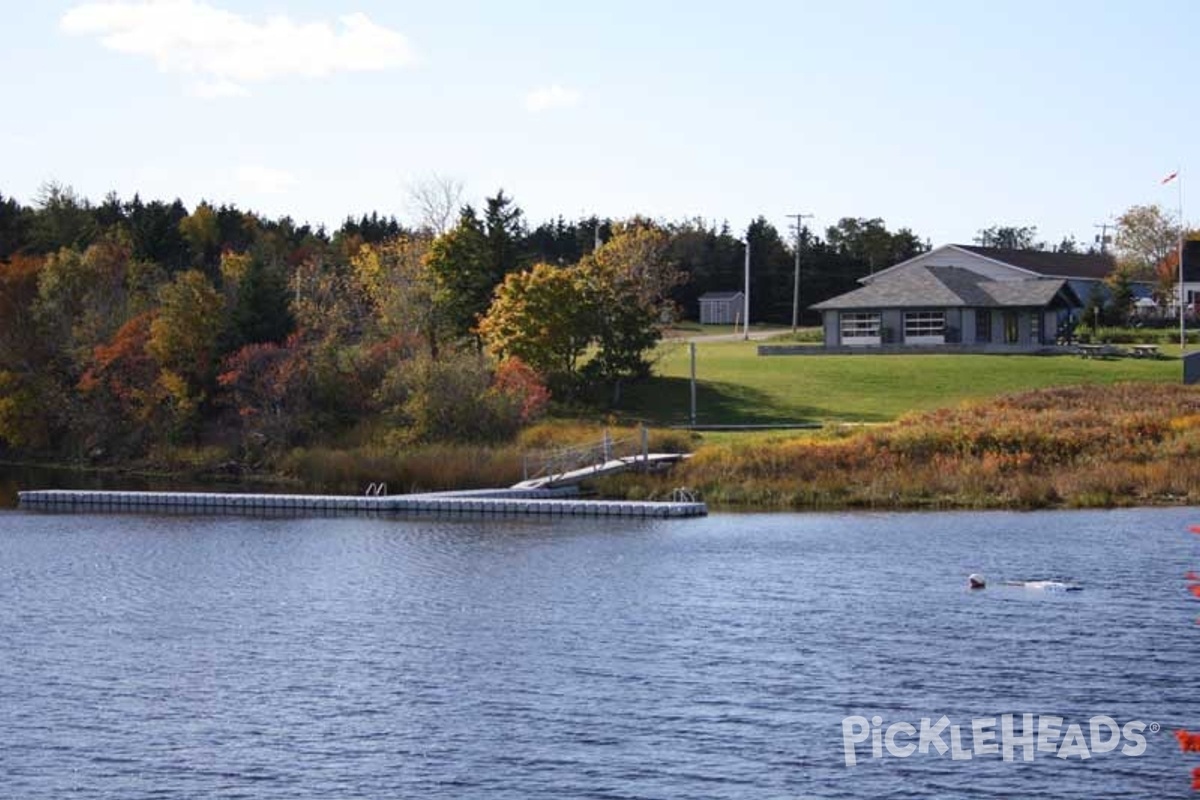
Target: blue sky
column 945, row 117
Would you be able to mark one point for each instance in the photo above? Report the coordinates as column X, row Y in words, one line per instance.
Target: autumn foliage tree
column 119, row 384
column 629, row 282
column 267, row 385
column 183, row 341
column 1146, row 238
column 183, row 336
column 613, row 305
column 542, row 316
column 403, row 291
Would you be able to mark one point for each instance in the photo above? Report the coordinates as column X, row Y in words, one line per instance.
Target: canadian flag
column 1171, row 177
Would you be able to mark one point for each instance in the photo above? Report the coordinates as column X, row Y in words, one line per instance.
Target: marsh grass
column 443, row 467
column 1082, row 446
column 422, row 469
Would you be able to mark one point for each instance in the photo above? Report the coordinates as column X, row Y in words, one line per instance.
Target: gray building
column 953, row 298
column 721, row 308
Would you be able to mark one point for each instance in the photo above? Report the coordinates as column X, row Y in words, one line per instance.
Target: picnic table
column 1093, row 350
column 1145, row 351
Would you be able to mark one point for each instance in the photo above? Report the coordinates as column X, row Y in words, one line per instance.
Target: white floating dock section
column 489, row 503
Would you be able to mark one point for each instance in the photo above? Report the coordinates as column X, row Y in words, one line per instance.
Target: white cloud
column 266, row 180
column 225, row 50
column 550, row 97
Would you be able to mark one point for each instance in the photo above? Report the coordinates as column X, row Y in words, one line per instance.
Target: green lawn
column 735, row 385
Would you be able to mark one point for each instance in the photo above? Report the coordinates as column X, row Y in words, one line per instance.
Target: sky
column 943, row 117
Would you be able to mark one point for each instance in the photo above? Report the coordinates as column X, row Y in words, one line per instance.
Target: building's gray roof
column 947, row 287
column 1025, row 293
column 720, row 295
column 1095, row 266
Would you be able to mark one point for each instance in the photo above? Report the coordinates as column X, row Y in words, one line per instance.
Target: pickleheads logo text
column 1008, row 737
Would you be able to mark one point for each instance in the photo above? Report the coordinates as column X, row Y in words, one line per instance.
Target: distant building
column 1191, row 276
column 721, row 308
column 964, row 295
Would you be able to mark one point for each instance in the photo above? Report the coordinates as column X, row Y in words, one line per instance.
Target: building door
column 1012, row 328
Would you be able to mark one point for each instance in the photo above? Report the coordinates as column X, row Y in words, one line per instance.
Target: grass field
column 736, row 386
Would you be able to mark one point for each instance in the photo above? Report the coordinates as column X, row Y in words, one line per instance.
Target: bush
column 458, row 398
column 1139, row 335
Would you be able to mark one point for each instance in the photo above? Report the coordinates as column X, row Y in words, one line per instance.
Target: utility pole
column 1104, row 226
column 796, row 289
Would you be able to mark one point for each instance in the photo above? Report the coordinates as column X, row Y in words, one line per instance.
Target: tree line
column 130, row 325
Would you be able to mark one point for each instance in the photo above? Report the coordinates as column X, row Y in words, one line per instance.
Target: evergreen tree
column 504, row 227
column 772, row 270
column 459, row 261
column 15, row 227
column 63, row 219
column 154, row 229
column 261, row 313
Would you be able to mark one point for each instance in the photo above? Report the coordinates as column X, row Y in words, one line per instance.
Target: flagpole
column 1182, row 325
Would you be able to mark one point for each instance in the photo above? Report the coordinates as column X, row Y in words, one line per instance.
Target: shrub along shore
column 1073, row 447
column 1103, row 445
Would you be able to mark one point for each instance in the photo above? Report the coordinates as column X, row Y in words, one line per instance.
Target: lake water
column 149, row 657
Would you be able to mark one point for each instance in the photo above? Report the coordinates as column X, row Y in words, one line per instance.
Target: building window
column 1035, row 327
column 1012, row 330
column 860, row 327
column 924, row 325
column 983, row 325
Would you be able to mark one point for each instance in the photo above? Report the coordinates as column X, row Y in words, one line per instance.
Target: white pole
column 796, row 286
column 746, row 315
column 1182, row 325
column 692, row 346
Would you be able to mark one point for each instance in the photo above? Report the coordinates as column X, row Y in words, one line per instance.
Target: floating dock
column 487, row 503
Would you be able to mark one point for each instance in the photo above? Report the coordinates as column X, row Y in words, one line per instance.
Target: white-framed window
column 925, row 327
column 860, row 327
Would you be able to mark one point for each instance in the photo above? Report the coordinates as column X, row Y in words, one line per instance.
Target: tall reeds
column 1125, row 444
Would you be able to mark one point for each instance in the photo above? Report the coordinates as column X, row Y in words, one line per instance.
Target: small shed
column 721, row 308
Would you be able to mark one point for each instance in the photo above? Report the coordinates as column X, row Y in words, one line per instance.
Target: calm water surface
column 145, row 657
